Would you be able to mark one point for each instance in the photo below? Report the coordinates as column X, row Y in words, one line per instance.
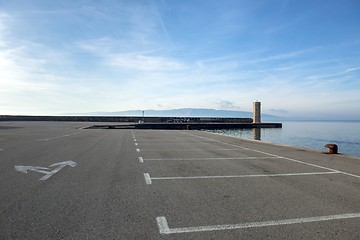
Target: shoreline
column 286, row 136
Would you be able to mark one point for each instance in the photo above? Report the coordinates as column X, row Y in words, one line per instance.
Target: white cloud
column 278, row 111
column 239, row 79
column 227, row 105
column 3, row 31
column 27, row 85
column 144, row 63
column 125, row 58
column 161, row 21
column 352, row 69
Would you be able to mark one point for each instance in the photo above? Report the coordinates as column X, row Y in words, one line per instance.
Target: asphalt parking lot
column 60, row 181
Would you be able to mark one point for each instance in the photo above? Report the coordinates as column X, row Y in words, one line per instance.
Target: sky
column 300, row 59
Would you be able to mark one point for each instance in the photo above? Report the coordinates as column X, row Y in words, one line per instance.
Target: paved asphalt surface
column 145, row 184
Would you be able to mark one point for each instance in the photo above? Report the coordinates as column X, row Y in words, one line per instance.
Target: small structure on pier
column 257, row 112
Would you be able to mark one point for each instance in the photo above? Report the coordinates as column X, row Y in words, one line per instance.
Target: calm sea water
column 313, row 135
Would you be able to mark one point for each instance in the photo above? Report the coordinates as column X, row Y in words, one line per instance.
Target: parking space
column 202, row 185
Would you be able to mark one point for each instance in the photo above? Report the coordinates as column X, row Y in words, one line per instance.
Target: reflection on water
column 313, row 135
column 256, row 133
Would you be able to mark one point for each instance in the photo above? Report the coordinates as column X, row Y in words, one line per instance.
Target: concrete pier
column 187, row 126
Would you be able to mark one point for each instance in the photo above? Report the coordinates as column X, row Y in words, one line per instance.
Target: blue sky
column 301, row 59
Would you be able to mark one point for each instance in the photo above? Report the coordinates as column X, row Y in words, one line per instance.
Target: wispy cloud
column 161, row 21
column 352, row 69
column 32, row 79
column 4, row 18
column 128, row 59
column 17, row 71
column 241, row 77
column 144, row 63
column 278, row 111
column 227, row 105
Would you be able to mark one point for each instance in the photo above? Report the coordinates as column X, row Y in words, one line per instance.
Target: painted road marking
column 66, row 135
column 59, row 166
column 138, row 150
column 145, row 143
column 189, row 149
column 141, row 159
column 241, row 176
column 274, row 155
column 132, row 133
column 204, row 159
column 134, row 139
column 164, row 227
column 151, row 142
column 136, row 144
column 147, row 178
column 85, row 127
column 1, row 149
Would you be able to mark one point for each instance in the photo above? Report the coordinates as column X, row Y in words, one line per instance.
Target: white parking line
column 132, row 133
column 66, row 135
column 178, row 140
column 141, row 159
column 205, row 159
column 240, row 176
column 136, row 144
column 1, row 149
column 164, row 227
column 138, row 150
column 147, row 178
column 189, row 149
column 164, row 143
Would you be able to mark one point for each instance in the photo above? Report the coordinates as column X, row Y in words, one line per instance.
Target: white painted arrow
column 24, row 169
column 59, row 166
column 69, row 163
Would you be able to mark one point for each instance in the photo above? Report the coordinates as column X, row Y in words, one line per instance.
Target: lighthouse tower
column 257, row 112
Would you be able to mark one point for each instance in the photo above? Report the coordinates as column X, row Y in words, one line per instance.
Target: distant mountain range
column 184, row 112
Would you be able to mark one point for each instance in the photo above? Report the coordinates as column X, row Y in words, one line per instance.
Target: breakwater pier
column 188, row 126
column 175, row 123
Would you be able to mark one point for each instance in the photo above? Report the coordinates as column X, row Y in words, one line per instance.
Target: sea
column 307, row 134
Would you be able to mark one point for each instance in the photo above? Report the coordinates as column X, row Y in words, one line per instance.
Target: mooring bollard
column 333, row 148
column 188, row 127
